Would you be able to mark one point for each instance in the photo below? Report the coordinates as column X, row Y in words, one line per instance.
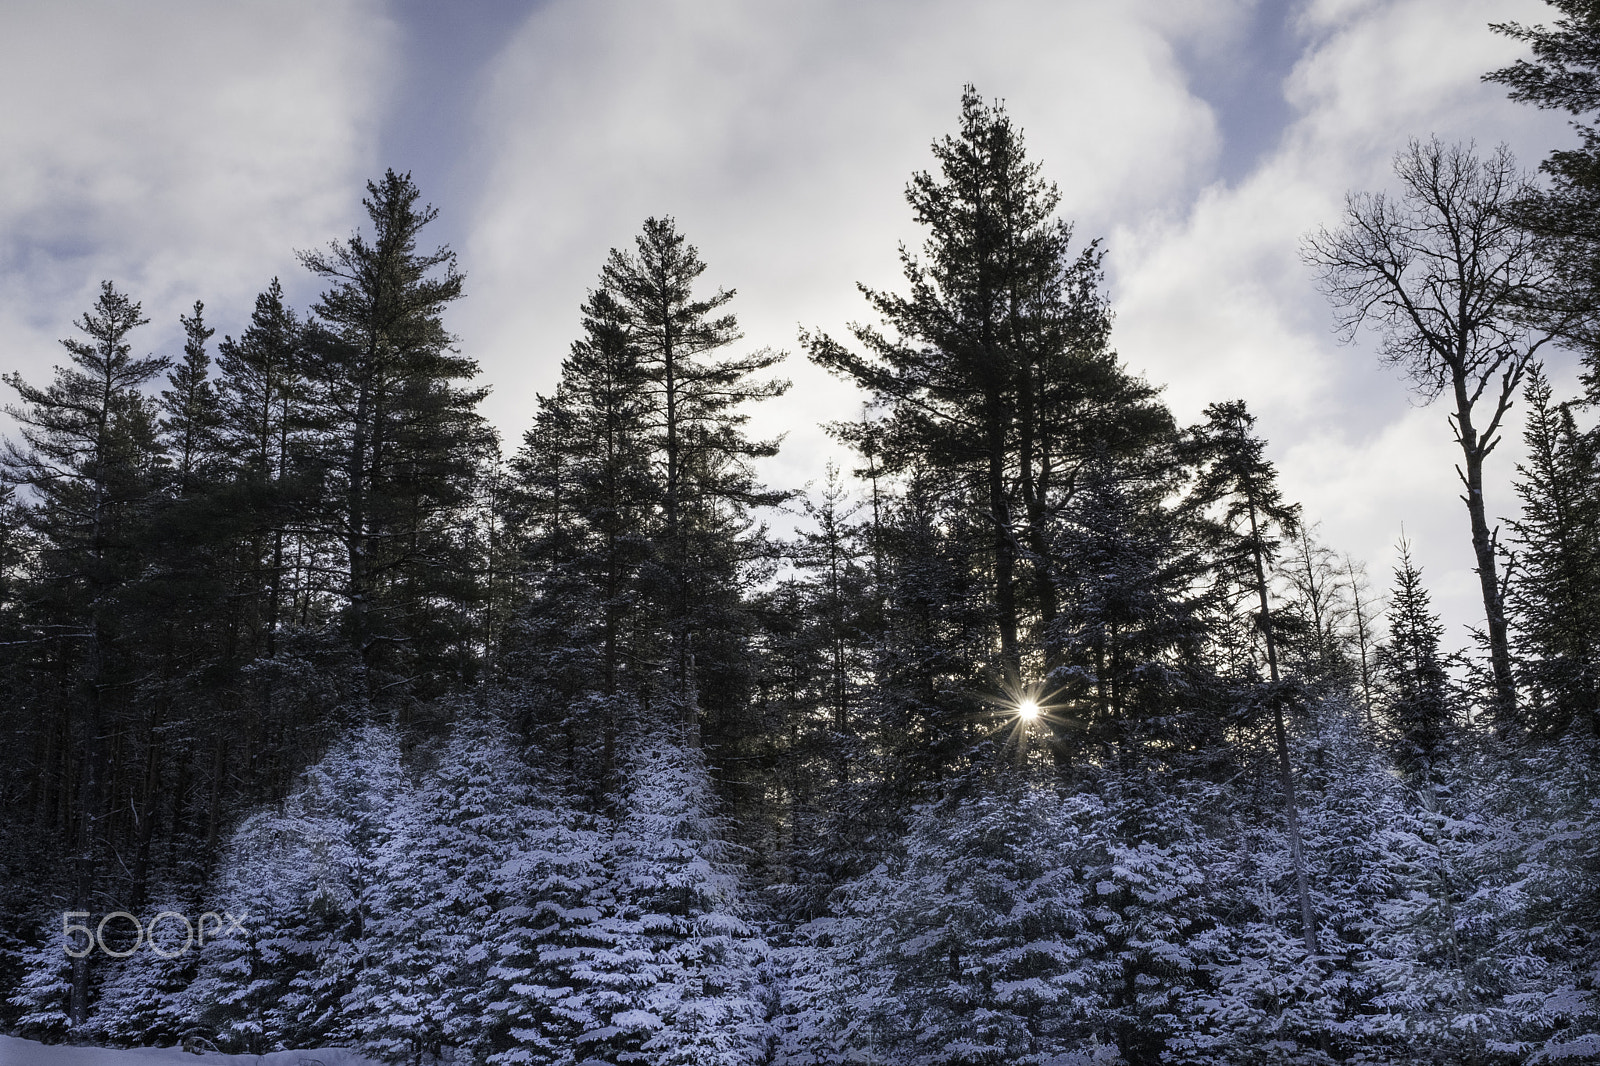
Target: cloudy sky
column 186, row 150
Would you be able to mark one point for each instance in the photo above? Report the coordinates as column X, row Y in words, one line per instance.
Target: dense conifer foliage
column 1049, row 734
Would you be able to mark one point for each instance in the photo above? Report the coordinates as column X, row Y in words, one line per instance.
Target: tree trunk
column 1361, row 640
column 78, row 1006
column 355, row 531
column 1004, row 546
column 145, row 815
column 1473, row 453
column 1034, row 485
column 682, row 651
column 219, row 764
column 89, row 827
column 175, row 821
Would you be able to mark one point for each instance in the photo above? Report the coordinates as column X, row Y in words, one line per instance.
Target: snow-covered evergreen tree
column 303, row 883
column 142, row 998
column 1150, row 902
column 1553, row 594
column 677, row 981
column 424, row 958
column 989, row 950
column 1523, row 847
column 988, row 939
column 1259, row 996
column 42, row 998
column 542, row 940
column 830, row 983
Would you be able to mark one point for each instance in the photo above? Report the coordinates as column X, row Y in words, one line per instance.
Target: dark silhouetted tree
column 1554, row 594
column 696, row 392
column 995, row 368
column 401, row 442
column 1236, row 476
column 1411, row 672
column 88, row 456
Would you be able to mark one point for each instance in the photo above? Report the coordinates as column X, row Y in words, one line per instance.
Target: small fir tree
column 1412, row 672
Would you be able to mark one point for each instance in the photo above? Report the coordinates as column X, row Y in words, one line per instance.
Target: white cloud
column 1217, row 303
column 182, row 149
column 1379, row 73
column 781, row 136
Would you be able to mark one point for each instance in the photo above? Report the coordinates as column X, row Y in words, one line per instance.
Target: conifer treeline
column 519, row 757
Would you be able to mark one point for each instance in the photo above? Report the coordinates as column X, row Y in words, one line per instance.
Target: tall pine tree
column 400, row 445
column 1236, row 475
column 702, row 459
column 995, row 368
column 88, row 455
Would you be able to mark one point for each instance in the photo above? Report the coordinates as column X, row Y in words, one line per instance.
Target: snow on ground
column 15, row 1051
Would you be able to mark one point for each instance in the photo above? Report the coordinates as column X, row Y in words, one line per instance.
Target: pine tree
column 88, row 455
column 1433, row 986
column 1013, row 923
column 401, row 443
column 701, row 457
column 304, row 883
column 583, row 509
column 1150, row 895
column 267, row 428
column 142, row 999
column 1561, row 76
column 190, row 406
column 437, row 889
column 995, row 368
column 819, row 635
column 251, row 548
column 1129, row 636
column 43, row 998
column 677, row 985
column 1360, row 634
column 1237, row 475
column 545, row 945
column 980, row 933
column 928, row 710
column 615, row 495
column 180, row 605
column 1411, row 671
column 1258, row 996
column 268, row 877
column 829, row 553
column 1554, row 594
column 1318, row 612
column 1526, row 862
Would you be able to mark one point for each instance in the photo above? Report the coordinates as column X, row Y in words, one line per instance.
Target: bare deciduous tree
column 1441, row 271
